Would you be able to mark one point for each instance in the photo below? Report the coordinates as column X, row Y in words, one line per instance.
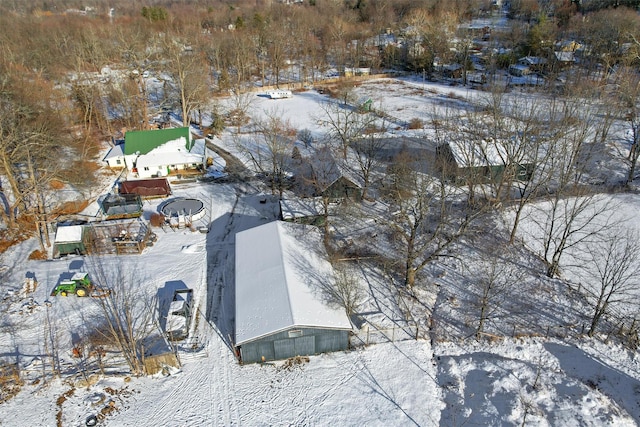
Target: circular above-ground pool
column 187, row 207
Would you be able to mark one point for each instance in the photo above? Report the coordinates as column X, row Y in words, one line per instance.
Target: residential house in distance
column 565, row 53
column 535, row 63
column 281, row 305
column 322, row 176
column 483, row 162
column 519, row 70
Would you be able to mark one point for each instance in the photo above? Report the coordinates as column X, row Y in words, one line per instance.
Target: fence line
column 372, row 334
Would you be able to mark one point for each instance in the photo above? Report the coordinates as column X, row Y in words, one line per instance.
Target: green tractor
column 79, row 284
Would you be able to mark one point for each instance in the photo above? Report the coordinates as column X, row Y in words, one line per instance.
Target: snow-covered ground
column 548, row 375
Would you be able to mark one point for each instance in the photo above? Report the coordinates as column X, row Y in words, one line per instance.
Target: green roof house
column 140, row 142
column 143, row 141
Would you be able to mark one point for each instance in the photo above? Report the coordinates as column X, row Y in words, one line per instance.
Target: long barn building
column 281, row 279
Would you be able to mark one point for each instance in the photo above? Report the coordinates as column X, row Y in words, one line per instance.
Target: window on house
column 146, row 168
column 118, row 162
column 295, row 333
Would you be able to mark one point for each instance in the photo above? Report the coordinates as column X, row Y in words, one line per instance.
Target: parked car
column 179, row 315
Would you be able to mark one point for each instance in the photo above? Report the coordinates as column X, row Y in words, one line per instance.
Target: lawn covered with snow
column 534, row 366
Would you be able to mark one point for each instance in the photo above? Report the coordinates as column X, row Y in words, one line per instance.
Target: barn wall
column 289, row 344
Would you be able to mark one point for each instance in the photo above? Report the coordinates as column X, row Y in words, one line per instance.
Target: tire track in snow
column 223, row 408
column 301, row 393
column 221, row 389
column 219, row 246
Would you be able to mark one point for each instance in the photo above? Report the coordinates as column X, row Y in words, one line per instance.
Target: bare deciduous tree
column 272, row 150
column 345, row 121
column 494, row 279
column 31, row 137
column 241, row 103
column 186, row 65
column 627, row 100
column 367, row 157
column 572, row 214
column 346, row 290
column 126, row 313
column 425, row 216
column 610, row 269
column 513, row 137
column 138, row 51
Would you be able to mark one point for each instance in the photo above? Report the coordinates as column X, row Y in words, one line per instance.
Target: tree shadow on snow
column 620, row 387
column 220, row 308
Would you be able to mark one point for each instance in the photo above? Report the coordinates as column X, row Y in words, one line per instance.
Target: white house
column 155, row 153
column 171, row 156
column 115, row 157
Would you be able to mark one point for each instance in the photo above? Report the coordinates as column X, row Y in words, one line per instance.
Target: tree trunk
column 410, row 278
column 634, row 152
column 514, row 228
column 483, row 314
column 594, row 321
column 633, row 159
column 552, row 269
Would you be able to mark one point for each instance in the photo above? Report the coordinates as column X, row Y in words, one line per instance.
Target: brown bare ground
column 38, row 255
column 56, row 184
column 10, row 382
column 70, row 207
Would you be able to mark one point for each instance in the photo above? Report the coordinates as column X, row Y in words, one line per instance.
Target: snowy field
column 548, row 376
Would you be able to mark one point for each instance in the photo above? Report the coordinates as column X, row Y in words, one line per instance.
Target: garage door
column 305, row 345
column 301, row 346
column 284, row 349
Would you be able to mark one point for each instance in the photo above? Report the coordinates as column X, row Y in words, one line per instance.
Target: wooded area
column 75, row 74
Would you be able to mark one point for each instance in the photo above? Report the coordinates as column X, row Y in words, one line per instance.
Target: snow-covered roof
column 563, row 56
column 172, row 153
column 69, row 233
column 279, row 280
column 292, row 209
column 532, row 60
column 115, row 152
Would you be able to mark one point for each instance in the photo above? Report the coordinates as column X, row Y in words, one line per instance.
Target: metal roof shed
column 116, row 206
column 280, row 312
column 70, row 239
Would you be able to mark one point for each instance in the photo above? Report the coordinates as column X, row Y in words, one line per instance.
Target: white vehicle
column 280, row 94
column 179, row 315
